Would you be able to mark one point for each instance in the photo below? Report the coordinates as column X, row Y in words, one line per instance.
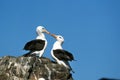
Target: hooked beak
column 46, row 31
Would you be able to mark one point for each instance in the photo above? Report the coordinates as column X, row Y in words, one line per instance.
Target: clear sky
column 91, row 29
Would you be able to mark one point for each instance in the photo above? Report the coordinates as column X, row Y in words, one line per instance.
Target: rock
column 32, row 68
column 108, row 79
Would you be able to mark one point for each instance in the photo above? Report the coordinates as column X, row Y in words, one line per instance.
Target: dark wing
column 63, row 55
column 29, row 54
column 34, row 45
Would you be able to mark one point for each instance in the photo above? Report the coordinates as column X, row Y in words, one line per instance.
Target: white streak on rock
column 49, row 72
column 40, row 60
column 35, row 76
column 9, row 64
column 41, row 79
column 26, row 67
column 7, row 74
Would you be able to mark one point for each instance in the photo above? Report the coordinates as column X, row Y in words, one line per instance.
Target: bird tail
column 29, row 54
column 70, row 68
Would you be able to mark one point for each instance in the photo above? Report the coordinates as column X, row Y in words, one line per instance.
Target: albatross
column 61, row 56
column 38, row 45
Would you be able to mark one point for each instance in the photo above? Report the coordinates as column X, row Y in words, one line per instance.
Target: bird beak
column 53, row 35
column 46, row 31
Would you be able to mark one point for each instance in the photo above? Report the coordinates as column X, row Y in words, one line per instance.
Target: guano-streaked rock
column 32, row 68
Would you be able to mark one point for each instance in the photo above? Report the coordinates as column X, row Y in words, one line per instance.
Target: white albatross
column 61, row 56
column 38, row 45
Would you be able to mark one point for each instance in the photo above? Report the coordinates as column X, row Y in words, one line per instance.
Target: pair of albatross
column 38, row 46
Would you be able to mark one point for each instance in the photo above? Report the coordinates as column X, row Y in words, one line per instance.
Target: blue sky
column 91, row 30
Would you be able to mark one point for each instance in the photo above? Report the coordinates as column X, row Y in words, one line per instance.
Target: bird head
column 58, row 37
column 41, row 29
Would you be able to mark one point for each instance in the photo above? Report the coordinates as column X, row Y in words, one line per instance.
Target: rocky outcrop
column 108, row 79
column 32, row 68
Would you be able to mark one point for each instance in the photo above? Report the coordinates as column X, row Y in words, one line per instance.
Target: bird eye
column 43, row 28
column 60, row 37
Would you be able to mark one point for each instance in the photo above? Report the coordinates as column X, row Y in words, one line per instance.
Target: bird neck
column 57, row 45
column 41, row 36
